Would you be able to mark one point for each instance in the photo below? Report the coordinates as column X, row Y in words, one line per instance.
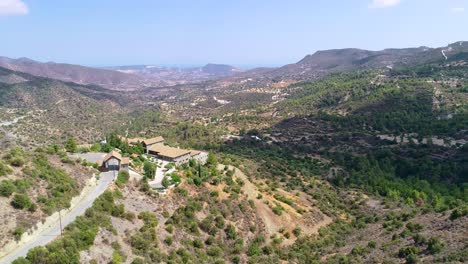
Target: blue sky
column 238, row 32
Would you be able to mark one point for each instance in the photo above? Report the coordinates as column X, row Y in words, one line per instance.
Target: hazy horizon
column 201, row 64
column 241, row 33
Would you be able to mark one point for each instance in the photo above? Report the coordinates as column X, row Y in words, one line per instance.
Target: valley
column 347, row 156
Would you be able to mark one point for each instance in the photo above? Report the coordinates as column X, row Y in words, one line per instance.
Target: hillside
column 322, row 63
column 351, row 156
column 33, row 186
column 78, row 74
column 49, row 110
column 180, row 75
column 220, row 70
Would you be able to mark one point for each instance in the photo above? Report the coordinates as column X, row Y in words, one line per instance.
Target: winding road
column 51, row 232
column 9, row 123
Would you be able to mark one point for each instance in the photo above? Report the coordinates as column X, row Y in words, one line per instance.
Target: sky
column 236, row 32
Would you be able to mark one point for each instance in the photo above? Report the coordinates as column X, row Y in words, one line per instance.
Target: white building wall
column 201, row 158
column 182, row 159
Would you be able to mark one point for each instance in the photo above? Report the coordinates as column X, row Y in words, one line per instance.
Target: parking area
column 91, row 157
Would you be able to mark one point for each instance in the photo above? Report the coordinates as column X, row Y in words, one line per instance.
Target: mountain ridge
column 76, row 73
column 323, row 62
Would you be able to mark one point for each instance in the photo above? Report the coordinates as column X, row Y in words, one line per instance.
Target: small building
column 134, row 141
column 178, row 156
column 131, row 141
column 148, row 143
column 114, row 161
column 200, row 156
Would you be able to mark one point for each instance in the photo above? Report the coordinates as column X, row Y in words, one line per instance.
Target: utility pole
column 60, row 219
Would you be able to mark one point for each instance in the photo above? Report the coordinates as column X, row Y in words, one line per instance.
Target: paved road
column 53, row 232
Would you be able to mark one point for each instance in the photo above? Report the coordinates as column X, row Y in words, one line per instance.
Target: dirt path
column 443, row 54
column 14, row 121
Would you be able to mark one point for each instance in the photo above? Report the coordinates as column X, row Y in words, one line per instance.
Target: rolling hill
column 114, row 80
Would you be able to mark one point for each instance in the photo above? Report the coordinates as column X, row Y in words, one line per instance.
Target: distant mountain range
column 310, row 67
column 120, row 77
column 78, row 74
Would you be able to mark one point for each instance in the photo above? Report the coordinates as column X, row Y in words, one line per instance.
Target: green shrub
column 254, row 250
column 170, row 228
column 70, row 145
column 4, row 169
column 22, row 185
column 434, row 245
column 138, row 261
column 358, row 251
column 297, row 231
column 406, row 251
column 197, row 243
column 7, row 188
column 414, row 227
column 168, row 240
column 210, row 240
column 16, row 157
column 459, row 212
column 231, row 232
column 149, row 169
column 149, row 219
column 21, row 260
column 235, row 259
column 419, row 239
column 166, row 182
column 82, row 150
column 412, row 259
column 175, row 178
column 18, row 232
column 214, row 251
column 21, row 201
column 278, row 210
column 169, row 166
column 122, row 178
column 96, row 147
column 117, row 258
column 17, row 161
